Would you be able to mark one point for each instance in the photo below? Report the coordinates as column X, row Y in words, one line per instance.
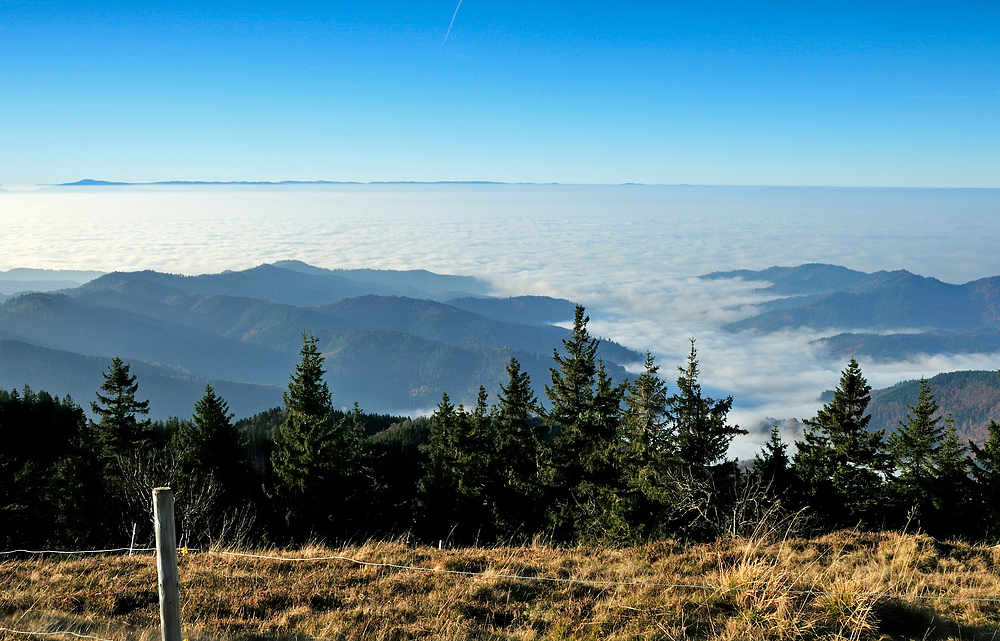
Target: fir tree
column 649, row 449
column 985, row 467
column 953, row 489
column 319, row 475
column 914, row 447
column 771, row 465
column 441, row 494
column 647, row 414
column 584, row 417
column 119, row 431
column 840, row 465
column 520, row 448
column 700, row 427
column 209, row 448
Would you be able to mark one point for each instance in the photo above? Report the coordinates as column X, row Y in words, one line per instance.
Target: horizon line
column 90, row 182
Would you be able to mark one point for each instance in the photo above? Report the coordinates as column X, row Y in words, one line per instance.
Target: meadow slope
column 749, row 589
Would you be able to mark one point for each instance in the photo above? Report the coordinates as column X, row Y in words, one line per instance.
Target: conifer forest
column 602, row 462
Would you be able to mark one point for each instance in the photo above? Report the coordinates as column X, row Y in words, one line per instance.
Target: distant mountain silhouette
column 899, row 314
column 387, row 351
column 171, row 391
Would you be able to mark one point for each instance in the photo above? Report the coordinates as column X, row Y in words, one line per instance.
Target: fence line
column 49, row 634
column 692, row 586
column 77, row 551
column 181, row 550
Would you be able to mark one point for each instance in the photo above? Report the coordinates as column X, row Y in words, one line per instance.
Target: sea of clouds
column 632, row 254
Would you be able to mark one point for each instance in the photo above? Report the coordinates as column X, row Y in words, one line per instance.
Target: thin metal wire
column 49, row 634
column 77, row 551
column 692, row 586
column 182, row 550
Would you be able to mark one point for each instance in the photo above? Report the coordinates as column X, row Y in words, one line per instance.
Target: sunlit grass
column 754, row 588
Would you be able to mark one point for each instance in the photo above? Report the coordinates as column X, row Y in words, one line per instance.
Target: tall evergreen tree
column 520, row 449
column 985, row 468
column 771, row 465
column 957, row 514
column 319, row 474
column 446, row 499
column 647, row 414
column 840, row 466
column 119, row 431
column 914, row 447
column 700, row 423
column 649, row 450
column 584, row 417
column 209, row 449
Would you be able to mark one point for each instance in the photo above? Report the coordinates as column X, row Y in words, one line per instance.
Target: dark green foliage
column 649, row 452
column 397, row 465
column 957, row 513
column 319, row 473
column 985, row 468
column 702, row 433
column 840, row 466
column 771, row 467
column 210, row 450
column 914, row 447
column 119, row 431
column 50, row 479
column 520, row 451
column 585, row 467
column 931, row 482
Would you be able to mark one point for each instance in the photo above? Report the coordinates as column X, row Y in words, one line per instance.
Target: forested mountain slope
column 387, row 351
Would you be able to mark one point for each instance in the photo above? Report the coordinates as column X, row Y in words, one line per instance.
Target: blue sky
column 806, row 93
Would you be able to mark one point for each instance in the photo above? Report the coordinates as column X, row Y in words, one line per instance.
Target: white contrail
column 451, row 23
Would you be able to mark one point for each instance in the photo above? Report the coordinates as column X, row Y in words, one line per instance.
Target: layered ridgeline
column 393, row 340
column 887, row 316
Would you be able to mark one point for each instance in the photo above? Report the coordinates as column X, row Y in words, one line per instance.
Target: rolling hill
column 386, row 350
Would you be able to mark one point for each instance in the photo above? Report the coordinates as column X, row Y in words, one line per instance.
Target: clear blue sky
column 803, row 93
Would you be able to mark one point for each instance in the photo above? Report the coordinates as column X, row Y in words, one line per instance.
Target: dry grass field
column 760, row 589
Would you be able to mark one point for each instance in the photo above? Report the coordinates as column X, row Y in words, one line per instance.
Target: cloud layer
column 631, row 254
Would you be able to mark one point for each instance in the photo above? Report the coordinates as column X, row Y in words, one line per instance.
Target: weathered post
column 166, row 564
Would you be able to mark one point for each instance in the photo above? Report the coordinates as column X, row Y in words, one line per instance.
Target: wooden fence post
column 166, row 564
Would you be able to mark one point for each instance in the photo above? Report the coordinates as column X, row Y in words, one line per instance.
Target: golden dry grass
column 766, row 590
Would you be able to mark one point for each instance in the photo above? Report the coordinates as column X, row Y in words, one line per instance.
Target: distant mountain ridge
column 90, row 182
column 390, row 339
column 899, row 313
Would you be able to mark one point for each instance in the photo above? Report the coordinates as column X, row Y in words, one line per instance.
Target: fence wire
column 52, row 634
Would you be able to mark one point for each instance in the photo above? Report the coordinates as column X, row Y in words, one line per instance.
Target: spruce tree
column 771, row 466
column 119, row 431
column 840, row 466
column 520, row 449
column 985, row 468
column 914, row 447
column 442, row 493
column 650, row 450
column 955, row 512
column 210, row 449
column 319, row 475
column 584, row 417
column 700, row 423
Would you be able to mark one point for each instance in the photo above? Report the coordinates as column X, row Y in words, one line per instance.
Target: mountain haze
column 889, row 315
column 389, row 341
